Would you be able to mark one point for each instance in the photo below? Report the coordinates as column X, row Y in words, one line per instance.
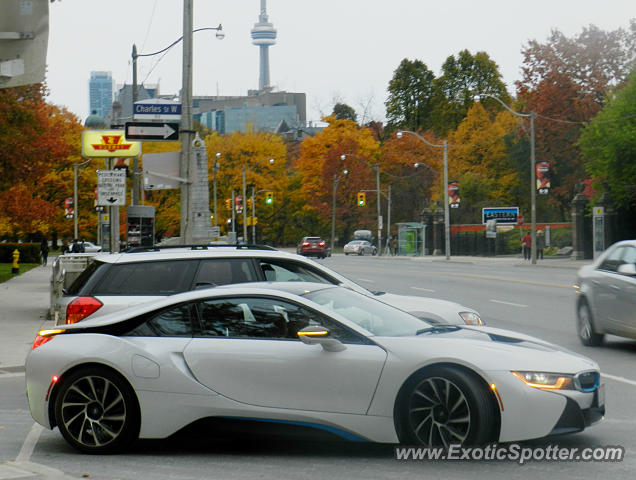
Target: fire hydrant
column 15, row 268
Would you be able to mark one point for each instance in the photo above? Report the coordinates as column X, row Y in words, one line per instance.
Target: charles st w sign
column 109, row 144
column 503, row 215
column 152, row 131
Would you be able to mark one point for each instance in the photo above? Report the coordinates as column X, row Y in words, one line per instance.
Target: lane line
column 619, row 379
column 521, row 305
column 504, row 279
column 29, row 444
column 423, row 289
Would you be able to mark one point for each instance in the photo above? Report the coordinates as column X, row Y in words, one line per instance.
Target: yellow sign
column 108, row 143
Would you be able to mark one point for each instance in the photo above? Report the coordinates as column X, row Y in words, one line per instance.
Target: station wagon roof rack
column 238, row 246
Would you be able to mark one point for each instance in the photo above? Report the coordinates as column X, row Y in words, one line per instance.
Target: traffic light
column 269, row 198
column 228, row 204
column 249, row 204
column 362, row 199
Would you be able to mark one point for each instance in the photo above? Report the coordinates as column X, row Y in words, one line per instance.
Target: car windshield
column 374, row 316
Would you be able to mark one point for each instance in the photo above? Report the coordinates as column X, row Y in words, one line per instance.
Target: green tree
column 342, row 111
column 608, row 145
column 462, row 78
column 410, row 96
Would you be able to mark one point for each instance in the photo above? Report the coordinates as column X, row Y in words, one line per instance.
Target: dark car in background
column 313, row 247
column 606, row 300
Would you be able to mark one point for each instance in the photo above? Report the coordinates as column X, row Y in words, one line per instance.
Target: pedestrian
column 540, row 243
column 75, row 246
column 65, row 247
column 394, row 245
column 526, row 244
column 44, row 251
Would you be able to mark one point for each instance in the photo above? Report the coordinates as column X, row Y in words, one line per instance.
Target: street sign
column 108, row 144
column 152, row 109
column 152, row 131
column 111, row 187
column 503, row 215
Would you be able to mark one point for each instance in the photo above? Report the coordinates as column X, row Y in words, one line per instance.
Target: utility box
column 140, row 229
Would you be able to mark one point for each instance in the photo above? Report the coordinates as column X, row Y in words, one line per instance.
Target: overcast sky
column 333, row 50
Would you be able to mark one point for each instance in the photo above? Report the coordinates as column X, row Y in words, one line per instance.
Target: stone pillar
column 579, row 203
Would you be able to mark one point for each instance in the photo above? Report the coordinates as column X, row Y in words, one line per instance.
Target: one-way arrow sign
column 152, row 131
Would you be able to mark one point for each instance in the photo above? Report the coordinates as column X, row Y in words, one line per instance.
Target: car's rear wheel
column 585, row 326
column 96, row 411
column 443, row 406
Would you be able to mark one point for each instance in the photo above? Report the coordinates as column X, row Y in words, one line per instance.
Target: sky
column 332, row 50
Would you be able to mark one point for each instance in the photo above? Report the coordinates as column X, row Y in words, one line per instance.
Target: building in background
column 100, row 92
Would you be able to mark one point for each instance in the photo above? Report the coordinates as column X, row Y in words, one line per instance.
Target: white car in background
column 115, row 281
column 306, row 354
column 90, row 247
column 359, row 247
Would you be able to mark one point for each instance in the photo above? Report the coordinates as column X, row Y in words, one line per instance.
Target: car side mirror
column 317, row 335
column 627, row 269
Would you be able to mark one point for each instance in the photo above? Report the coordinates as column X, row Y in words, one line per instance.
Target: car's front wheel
column 96, row 411
column 585, row 326
column 443, row 406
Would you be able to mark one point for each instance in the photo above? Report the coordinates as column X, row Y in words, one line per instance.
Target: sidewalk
column 24, row 304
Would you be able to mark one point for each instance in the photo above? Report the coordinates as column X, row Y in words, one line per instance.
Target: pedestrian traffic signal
column 269, row 198
column 362, row 199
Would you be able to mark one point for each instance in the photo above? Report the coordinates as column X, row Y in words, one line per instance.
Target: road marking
column 29, row 444
column 505, row 279
column 509, row 303
column 423, row 289
column 619, row 379
column 365, row 280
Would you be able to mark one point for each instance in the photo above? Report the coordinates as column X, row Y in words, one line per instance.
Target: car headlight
column 546, row 381
column 471, row 318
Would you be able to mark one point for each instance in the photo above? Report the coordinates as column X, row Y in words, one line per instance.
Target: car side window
column 261, row 317
column 281, row 271
column 173, row 322
column 629, row 255
column 613, row 260
column 146, row 278
column 223, row 271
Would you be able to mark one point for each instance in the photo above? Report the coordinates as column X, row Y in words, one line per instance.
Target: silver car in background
column 606, row 300
column 359, row 247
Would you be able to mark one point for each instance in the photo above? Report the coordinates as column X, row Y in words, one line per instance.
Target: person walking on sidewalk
column 540, row 243
column 526, row 244
column 44, row 250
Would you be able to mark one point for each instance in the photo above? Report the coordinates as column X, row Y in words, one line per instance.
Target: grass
column 5, row 270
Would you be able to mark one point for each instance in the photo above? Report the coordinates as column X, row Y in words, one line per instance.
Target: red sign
column 69, row 211
column 520, row 220
column 112, row 143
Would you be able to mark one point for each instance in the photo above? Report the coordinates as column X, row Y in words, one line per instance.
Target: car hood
column 439, row 311
column 488, row 348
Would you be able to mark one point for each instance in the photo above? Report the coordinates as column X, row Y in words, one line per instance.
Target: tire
column 375, row 252
column 585, row 326
column 441, row 406
column 97, row 411
column 361, row 252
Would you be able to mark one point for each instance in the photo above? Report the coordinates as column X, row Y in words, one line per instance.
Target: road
column 534, row 300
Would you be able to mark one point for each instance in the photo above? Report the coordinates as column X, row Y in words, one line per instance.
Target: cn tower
column 263, row 35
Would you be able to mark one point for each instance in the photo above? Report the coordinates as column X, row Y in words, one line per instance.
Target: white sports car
column 302, row 353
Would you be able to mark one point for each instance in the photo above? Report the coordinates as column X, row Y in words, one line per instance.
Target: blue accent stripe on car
column 341, row 433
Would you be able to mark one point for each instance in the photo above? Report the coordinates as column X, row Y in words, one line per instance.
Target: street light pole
column 443, row 146
column 186, row 125
column 533, row 181
column 244, row 200
column 336, row 179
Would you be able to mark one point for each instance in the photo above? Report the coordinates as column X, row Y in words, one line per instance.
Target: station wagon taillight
column 80, row 308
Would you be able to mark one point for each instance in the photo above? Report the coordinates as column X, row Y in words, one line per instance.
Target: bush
column 29, row 252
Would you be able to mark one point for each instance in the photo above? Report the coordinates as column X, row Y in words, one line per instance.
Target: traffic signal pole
column 377, row 182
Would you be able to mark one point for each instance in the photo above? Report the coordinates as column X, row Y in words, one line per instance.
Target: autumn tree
column 462, row 78
column 321, row 161
column 565, row 81
column 479, row 161
column 410, row 95
column 252, row 151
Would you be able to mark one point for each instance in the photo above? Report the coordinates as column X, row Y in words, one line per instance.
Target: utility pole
column 377, row 183
column 135, row 166
column 185, row 164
